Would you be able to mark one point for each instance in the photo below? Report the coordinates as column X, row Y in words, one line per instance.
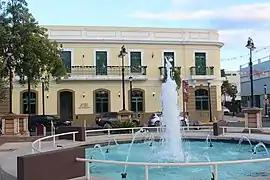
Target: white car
column 156, row 120
column 226, row 111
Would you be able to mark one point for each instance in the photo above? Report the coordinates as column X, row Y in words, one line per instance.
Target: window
column 136, row 62
column 201, row 98
column 66, row 57
column 137, row 101
column 102, row 101
column 200, row 63
column 101, row 62
column 170, row 57
column 33, row 103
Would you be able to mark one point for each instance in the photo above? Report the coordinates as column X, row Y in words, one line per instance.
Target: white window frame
column 200, row 51
column 72, row 55
column 135, row 50
column 174, row 53
column 97, row 50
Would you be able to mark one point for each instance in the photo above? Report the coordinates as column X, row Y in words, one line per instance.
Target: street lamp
column 122, row 54
column 209, row 102
column 250, row 45
column 43, row 95
column 265, row 101
column 10, row 67
column 130, row 90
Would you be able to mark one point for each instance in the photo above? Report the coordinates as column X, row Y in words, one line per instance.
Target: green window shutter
column 101, row 62
column 66, row 57
column 136, row 62
column 200, row 63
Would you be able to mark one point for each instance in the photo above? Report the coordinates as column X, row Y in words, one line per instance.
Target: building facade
column 261, row 77
column 233, row 77
column 94, row 83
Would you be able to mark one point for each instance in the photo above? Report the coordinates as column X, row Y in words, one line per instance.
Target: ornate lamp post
column 122, row 55
column 10, row 68
column 130, row 90
column 250, row 45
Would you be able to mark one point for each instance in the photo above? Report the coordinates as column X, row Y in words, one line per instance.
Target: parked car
column 226, row 111
column 46, row 121
column 108, row 120
column 156, row 119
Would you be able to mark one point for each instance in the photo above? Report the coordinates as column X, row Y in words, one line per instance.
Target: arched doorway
column 66, row 105
column 33, row 103
column 101, row 101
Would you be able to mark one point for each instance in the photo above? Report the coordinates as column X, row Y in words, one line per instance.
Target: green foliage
column 34, row 54
column 124, row 124
column 229, row 89
column 176, row 76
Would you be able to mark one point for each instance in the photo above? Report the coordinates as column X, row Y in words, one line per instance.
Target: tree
column 34, row 54
column 231, row 90
column 3, row 83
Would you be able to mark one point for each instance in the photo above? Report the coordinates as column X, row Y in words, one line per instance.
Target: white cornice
column 131, row 35
column 220, row 44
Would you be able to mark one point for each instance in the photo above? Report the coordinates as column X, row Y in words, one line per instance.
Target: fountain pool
column 201, row 152
column 171, row 148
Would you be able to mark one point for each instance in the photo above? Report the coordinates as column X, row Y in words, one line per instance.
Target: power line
column 237, row 57
column 259, row 60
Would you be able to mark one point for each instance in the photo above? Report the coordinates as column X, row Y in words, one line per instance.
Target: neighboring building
column 94, row 85
column 233, row 77
column 261, row 76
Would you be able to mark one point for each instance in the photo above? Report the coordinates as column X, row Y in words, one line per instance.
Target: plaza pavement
column 10, row 151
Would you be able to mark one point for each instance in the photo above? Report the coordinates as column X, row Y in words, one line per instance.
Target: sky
column 236, row 20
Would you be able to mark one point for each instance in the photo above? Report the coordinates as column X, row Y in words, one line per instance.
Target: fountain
column 208, row 139
column 98, row 146
column 171, row 148
column 109, row 143
column 124, row 174
column 172, row 133
column 247, row 139
column 260, row 144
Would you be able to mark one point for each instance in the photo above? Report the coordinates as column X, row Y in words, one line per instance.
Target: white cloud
column 258, row 12
column 238, row 37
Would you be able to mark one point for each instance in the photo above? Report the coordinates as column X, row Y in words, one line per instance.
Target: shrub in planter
column 124, row 124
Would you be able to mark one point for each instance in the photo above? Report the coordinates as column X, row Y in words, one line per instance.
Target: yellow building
column 94, row 85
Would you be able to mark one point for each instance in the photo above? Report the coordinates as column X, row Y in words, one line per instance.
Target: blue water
column 197, row 151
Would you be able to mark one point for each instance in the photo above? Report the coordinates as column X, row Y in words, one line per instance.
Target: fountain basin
column 198, row 151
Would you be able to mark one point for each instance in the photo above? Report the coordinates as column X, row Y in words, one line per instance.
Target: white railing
column 158, row 129
column 146, row 165
column 226, row 129
column 36, row 147
column 53, row 137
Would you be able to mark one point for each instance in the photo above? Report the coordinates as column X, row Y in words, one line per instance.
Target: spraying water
column 98, row 146
column 172, row 133
column 130, row 146
column 260, row 144
column 247, row 139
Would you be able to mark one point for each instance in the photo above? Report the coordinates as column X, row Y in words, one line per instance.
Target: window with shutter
column 101, row 62
column 135, row 62
column 66, row 57
column 200, row 63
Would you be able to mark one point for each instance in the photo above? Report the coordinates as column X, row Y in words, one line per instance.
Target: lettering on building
column 84, row 106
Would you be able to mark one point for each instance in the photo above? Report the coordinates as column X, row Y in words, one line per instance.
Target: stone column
column 253, row 118
column 125, row 115
column 15, row 125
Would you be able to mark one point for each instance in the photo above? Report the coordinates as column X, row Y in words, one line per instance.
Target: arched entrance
column 66, row 105
column 33, row 103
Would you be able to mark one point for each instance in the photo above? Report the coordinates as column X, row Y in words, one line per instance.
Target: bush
column 124, row 124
